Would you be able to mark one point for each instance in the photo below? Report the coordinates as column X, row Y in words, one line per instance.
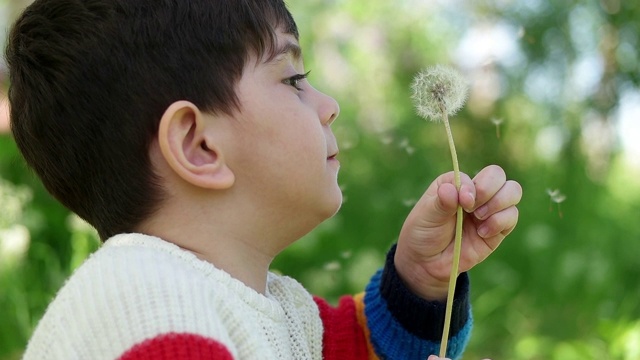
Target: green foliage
column 562, row 286
column 38, row 250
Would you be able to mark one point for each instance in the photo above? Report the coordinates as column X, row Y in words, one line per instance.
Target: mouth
column 333, row 157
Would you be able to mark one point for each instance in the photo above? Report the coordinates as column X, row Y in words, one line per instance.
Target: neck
column 237, row 257
column 227, row 232
column 241, row 261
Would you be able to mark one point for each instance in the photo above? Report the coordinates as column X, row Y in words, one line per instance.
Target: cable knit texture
column 137, row 287
column 140, row 297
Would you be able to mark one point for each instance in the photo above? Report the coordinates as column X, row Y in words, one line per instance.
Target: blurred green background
column 554, row 100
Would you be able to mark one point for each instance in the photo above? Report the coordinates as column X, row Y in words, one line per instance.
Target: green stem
column 457, row 245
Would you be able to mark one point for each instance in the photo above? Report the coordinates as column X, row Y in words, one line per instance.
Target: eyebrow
column 289, row 48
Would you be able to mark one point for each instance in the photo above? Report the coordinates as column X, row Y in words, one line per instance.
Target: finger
column 467, row 193
column 498, row 225
column 437, row 204
column 508, row 195
column 446, row 202
column 487, row 183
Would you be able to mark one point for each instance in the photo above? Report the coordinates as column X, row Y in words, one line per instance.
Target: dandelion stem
column 439, row 92
column 453, row 277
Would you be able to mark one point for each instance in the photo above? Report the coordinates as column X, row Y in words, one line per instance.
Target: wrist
column 387, row 291
column 422, row 284
column 419, row 281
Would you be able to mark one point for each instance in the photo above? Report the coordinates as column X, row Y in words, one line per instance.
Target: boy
column 185, row 132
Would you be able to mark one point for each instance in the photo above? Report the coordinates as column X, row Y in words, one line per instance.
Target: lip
column 333, row 159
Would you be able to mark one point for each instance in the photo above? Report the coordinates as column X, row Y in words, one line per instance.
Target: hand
column 424, row 254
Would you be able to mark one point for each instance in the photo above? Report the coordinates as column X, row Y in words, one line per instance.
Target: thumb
column 446, row 201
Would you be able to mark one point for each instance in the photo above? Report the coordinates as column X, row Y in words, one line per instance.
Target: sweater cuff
column 405, row 326
column 413, row 312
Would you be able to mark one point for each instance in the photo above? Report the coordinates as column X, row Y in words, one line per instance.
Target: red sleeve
column 344, row 337
column 178, row 346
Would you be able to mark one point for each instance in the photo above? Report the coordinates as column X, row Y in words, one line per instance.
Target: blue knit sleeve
column 405, row 326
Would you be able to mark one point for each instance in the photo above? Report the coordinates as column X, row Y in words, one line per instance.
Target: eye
column 295, row 80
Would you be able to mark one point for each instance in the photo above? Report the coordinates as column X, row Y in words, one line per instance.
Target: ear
column 187, row 145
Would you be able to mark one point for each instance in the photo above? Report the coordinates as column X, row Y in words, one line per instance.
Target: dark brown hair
column 90, row 79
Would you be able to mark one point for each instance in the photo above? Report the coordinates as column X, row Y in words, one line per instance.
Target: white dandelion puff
column 437, row 90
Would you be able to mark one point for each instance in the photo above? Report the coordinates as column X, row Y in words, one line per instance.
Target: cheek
column 281, row 131
column 302, row 132
column 312, row 142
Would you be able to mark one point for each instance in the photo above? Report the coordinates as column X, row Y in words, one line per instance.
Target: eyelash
column 293, row 81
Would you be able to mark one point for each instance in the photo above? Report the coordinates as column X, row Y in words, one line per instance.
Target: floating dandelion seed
column 406, row 146
column 386, row 139
column 409, row 202
column 553, row 192
column 559, row 198
column 497, row 122
column 555, row 196
column 438, row 92
column 332, row 266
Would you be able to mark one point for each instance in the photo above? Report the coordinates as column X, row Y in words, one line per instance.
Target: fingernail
column 483, row 230
column 481, row 212
column 469, row 194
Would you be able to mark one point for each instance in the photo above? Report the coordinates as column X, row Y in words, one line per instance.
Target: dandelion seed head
column 556, row 196
column 438, row 89
column 559, row 198
column 497, row 121
column 553, row 192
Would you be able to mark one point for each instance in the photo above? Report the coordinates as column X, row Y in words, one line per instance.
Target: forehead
column 286, row 48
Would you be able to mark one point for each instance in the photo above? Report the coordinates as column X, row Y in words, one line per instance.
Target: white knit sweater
column 123, row 294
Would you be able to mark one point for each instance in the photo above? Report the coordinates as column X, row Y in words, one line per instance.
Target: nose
column 328, row 108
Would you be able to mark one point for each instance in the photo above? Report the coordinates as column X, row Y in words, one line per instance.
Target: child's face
column 283, row 147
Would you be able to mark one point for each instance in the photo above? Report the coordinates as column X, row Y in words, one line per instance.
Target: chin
column 334, row 205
